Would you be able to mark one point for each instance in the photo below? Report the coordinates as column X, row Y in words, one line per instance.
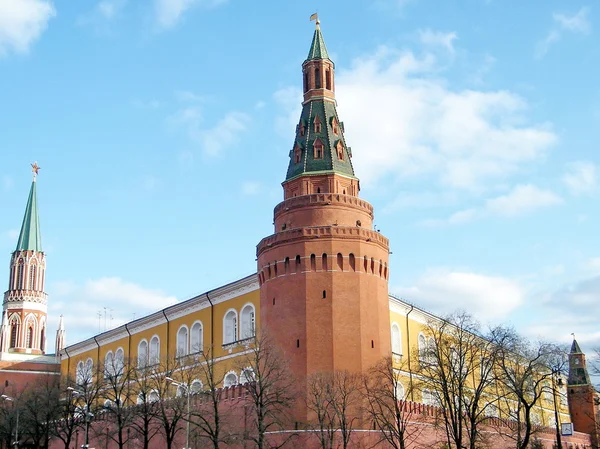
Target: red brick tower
column 583, row 404
column 324, row 272
column 25, row 303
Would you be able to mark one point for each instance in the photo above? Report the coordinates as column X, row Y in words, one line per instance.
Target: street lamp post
column 556, row 381
column 8, row 398
column 87, row 416
column 187, row 393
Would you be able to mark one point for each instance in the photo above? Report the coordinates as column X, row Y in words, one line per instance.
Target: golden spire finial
column 35, row 168
column 315, row 17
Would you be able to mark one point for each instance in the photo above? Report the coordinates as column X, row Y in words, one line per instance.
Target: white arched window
column 230, row 327
column 399, row 391
column 230, row 380
column 396, row 340
column 182, row 341
column 88, row 371
column 196, row 386
column 143, row 354
column 247, row 318
column 154, row 357
column 119, row 361
column 109, row 364
column 196, row 338
column 153, row 396
column 426, row 397
column 422, row 343
column 79, row 373
column 247, row 375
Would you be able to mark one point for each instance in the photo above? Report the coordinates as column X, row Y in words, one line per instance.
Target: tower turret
column 61, row 337
column 25, row 303
column 583, row 404
column 323, row 274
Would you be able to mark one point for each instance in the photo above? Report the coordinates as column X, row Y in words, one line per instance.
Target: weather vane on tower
column 35, row 168
column 315, row 17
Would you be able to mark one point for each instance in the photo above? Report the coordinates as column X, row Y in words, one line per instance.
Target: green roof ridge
column 30, row 238
column 317, row 48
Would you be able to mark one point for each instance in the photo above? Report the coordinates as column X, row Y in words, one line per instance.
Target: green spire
column 575, row 349
column 30, row 238
column 317, row 48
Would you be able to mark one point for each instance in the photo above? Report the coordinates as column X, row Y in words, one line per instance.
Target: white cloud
column 80, row 304
column 581, row 177
column 445, row 291
column 187, row 96
column 593, row 265
column 224, row 134
column 289, row 100
column 465, row 139
column 420, row 199
column 212, row 140
column 567, row 309
column 110, row 8
column 251, row 188
column 438, row 38
column 521, row 200
column 578, row 24
column 544, row 45
column 149, row 105
column 22, row 22
column 169, row 12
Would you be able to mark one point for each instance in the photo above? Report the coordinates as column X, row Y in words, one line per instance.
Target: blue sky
column 163, row 129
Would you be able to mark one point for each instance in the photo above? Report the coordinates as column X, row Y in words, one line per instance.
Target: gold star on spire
column 35, row 168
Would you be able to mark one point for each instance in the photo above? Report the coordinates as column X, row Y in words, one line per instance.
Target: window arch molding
column 183, row 335
column 197, row 337
column 230, row 379
column 109, row 364
column 230, row 327
column 248, row 321
column 396, row 339
column 79, row 373
column 119, row 360
column 399, row 391
column 422, row 345
column 142, row 353
column 154, row 350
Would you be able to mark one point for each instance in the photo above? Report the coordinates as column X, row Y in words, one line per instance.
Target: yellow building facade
column 223, row 320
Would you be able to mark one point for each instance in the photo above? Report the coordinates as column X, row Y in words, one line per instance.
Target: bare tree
column 319, row 402
column 170, row 409
column 118, row 395
column 40, row 408
column 335, row 400
column 526, row 369
column 143, row 420
column 66, row 423
column 456, row 365
column 211, row 423
column 386, row 405
column 271, row 392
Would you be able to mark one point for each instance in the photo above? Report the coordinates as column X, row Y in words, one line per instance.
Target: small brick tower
column 25, row 303
column 324, row 272
column 582, row 396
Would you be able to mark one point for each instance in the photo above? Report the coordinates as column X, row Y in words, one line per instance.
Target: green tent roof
column 317, row 48
column 30, row 238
